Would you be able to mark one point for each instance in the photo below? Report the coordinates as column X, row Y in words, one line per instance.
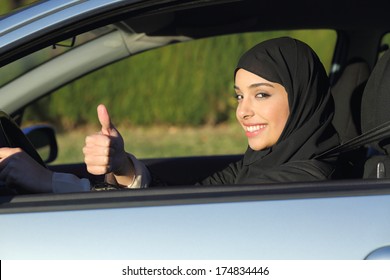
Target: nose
column 244, row 109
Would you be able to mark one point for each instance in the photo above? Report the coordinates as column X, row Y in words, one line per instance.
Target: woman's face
column 262, row 109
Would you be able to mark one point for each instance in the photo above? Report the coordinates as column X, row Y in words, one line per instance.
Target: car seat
column 347, row 94
column 376, row 113
column 375, row 125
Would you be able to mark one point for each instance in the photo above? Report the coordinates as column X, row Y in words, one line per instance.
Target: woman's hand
column 19, row 170
column 104, row 151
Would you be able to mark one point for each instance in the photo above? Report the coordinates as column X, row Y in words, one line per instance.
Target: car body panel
column 302, row 221
column 280, row 229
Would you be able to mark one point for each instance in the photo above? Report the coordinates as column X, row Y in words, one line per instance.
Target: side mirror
column 43, row 138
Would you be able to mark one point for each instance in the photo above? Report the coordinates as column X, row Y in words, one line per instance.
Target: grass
column 161, row 141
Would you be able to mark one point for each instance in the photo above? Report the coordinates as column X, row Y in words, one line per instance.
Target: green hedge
column 7, row 5
column 184, row 84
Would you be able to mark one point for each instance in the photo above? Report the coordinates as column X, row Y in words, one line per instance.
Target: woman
column 284, row 106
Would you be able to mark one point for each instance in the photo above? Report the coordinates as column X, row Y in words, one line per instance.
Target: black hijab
column 308, row 131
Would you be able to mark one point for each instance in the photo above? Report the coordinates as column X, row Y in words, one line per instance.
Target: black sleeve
column 225, row 176
column 297, row 171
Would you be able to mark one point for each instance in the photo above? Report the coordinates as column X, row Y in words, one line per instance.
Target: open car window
column 178, row 97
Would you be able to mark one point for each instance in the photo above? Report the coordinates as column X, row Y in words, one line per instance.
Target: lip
column 252, row 130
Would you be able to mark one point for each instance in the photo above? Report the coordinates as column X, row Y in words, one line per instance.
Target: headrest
column 347, row 94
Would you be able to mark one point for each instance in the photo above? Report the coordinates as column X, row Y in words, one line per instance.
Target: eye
column 262, row 95
column 238, row 97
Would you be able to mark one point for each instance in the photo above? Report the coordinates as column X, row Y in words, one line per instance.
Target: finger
column 97, row 151
column 97, row 161
column 105, row 121
column 98, row 146
column 97, row 169
column 6, row 152
column 98, row 140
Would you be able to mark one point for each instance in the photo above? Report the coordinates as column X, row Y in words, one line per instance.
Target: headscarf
column 308, row 131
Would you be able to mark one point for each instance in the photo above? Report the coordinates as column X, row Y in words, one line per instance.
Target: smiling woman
column 292, row 110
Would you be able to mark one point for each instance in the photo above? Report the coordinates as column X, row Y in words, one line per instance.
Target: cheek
column 282, row 117
column 278, row 113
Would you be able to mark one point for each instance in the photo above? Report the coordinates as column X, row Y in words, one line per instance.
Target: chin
column 257, row 147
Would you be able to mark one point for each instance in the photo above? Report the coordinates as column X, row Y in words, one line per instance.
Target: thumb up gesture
column 104, row 151
column 105, row 121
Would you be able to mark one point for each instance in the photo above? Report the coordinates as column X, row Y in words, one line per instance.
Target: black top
column 308, row 131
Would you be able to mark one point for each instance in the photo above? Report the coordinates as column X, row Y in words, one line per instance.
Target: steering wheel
column 12, row 136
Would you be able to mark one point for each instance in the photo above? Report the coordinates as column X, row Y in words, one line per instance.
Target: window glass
column 172, row 101
column 29, row 62
column 385, row 43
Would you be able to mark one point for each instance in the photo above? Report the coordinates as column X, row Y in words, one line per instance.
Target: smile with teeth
column 254, row 128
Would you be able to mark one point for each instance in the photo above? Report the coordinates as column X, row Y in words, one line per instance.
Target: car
column 341, row 219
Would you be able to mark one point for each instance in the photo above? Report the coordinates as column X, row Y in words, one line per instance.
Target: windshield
column 29, row 62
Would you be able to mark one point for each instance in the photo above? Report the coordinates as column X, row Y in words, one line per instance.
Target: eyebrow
column 256, row 85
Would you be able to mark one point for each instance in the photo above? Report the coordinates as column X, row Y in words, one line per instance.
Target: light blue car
column 338, row 219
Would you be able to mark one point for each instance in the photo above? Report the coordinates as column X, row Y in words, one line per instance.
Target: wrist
column 123, row 166
column 125, row 174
